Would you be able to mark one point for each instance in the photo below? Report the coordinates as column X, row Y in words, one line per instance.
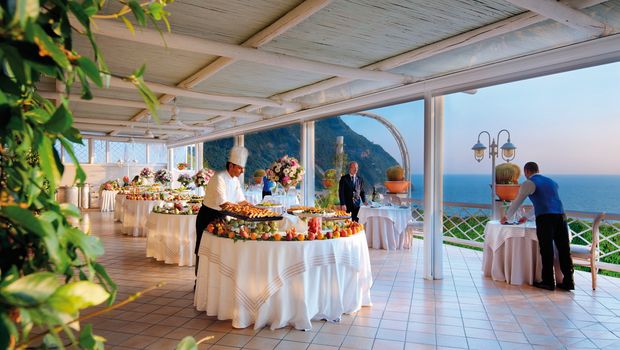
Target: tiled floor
column 463, row 310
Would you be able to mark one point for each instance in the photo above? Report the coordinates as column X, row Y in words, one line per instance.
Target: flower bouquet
column 286, row 171
column 126, row 181
column 163, row 176
column 202, row 177
column 182, row 166
column 184, row 179
column 146, row 173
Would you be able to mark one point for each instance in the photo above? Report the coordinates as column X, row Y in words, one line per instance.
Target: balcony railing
column 463, row 223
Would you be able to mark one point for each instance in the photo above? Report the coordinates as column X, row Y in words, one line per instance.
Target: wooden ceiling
column 236, row 66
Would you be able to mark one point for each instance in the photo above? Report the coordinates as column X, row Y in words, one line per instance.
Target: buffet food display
column 176, row 208
column 249, row 229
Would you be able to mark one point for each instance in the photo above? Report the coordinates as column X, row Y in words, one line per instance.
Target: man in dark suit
column 351, row 191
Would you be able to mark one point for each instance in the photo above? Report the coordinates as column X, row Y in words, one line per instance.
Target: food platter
column 247, row 218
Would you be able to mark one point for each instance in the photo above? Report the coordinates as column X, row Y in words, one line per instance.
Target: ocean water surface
column 594, row 193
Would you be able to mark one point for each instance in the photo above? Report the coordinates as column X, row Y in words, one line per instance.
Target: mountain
column 267, row 146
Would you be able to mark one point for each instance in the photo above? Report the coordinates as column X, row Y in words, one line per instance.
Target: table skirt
column 511, row 254
column 171, row 238
column 282, row 283
column 135, row 213
column 381, row 234
column 119, row 207
column 108, row 200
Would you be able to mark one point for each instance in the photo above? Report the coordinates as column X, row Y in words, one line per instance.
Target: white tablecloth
column 511, row 253
column 282, row 283
column 286, row 201
column 135, row 213
column 381, row 233
column 171, row 238
column 108, row 200
column 254, row 197
column 119, row 206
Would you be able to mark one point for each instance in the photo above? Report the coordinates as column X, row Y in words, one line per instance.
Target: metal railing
column 463, row 223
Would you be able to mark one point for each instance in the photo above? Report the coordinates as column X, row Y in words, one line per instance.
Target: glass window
column 158, row 153
column 180, row 155
column 136, row 152
column 80, row 151
column 99, row 151
column 118, row 152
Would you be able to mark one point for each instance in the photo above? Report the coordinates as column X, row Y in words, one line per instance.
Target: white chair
column 589, row 255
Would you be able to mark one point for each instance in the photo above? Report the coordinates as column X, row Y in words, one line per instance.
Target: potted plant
column 329, row 178
column 182, row 166
column 396, row 182
column 258, row 176
column 507, row 181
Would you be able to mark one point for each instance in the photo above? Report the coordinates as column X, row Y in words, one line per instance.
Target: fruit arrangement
column 176, row 209
column 300, row 209
column 248, row 211
column 267, row 231
column 268, row 204
column 144, row 196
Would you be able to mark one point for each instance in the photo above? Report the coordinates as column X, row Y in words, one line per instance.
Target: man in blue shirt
column 267, row 185
column 551, row 225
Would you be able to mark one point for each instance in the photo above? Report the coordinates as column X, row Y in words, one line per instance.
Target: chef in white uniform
column 224, row 187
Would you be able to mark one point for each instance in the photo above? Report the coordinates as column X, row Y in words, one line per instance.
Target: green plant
column 48, row 266
column 395, row 173
column 259, row 173
column 507, row 174
column 330, row 174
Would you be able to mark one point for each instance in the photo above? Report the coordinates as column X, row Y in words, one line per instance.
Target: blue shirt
column 267, row 184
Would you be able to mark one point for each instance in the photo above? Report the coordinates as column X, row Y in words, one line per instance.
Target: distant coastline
column 593, row 193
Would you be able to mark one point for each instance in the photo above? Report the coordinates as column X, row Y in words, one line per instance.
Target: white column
column 91, row 151
column 170, row 160
column 199, row 155
column 240, row 141
column 148, row 153
column 433, row 187
column 307, row 161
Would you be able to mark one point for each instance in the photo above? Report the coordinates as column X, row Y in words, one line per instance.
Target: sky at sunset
column 569, row 123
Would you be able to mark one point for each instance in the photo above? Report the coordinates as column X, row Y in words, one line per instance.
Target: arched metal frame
column 400, row 141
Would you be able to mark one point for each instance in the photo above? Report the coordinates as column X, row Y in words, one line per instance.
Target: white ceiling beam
column 122, row 123
column 176, row 91
column 284, row 23
column 277, row 28
column 585, row 54
column 139, row 131
column 209, row 47
column 124, row 138
column 565, row 14
column 468, row 38
column 140, row 104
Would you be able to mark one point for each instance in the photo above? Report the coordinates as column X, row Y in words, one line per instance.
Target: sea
column 592, row 193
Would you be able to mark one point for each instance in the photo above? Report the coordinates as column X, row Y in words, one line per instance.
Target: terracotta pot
column 258, row 180
column 327, row 183
column 397, row 186
column 180, row 167
column 507, row 192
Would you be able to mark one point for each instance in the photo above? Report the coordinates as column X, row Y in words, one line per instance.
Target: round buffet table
column 108, row 200
column 385, row 226
column 282, row 283
column 135, row 213
column 171, row 238
column 119, row 208
column 511, row 254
